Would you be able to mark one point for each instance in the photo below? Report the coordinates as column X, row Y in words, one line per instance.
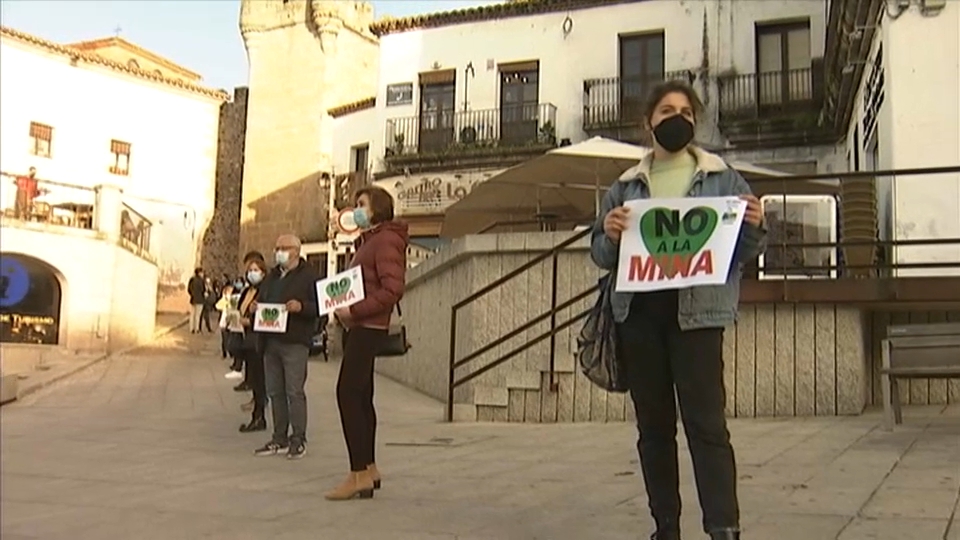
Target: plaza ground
column 145, row 446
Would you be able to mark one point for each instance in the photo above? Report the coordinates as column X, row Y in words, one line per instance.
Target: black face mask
column 674, row 133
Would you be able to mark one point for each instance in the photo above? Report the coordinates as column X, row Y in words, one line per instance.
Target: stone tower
column 306, row 57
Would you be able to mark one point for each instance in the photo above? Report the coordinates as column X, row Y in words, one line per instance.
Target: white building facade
column 83, row 120
column 906, row 115
column 461, row 96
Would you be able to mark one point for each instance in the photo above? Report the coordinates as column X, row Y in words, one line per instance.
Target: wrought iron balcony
column 613, row 102
column 439, row 133
column 770, row 96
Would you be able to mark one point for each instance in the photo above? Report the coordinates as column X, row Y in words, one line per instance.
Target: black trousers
column 355, row 394
column 256, row 378
column 659, row 358
column 205, row 319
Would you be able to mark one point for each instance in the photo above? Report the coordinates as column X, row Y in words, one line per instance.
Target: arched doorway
column 30, row 298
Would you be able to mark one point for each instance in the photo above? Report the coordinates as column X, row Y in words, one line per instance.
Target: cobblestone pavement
column 145, row 446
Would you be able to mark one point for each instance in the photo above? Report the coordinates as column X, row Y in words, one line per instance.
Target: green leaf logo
column 673, row 240
column 270, row 314
column 336, row 289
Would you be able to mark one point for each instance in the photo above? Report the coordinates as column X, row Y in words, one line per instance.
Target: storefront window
column 29, row 301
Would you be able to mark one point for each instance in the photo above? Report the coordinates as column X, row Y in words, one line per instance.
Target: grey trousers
column 285, row 365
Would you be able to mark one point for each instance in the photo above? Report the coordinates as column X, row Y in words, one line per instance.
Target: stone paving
column 36, row 371
column 145, row 446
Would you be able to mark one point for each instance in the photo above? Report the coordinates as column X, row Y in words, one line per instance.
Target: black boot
column 725, row 535
column 257, row 423
column 666, row 535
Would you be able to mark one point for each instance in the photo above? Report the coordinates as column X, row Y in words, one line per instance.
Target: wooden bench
column 916, row 351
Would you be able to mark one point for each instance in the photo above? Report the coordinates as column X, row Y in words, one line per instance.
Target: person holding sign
column 382, row 258
column 671, row 339
column 247, row 345
column 286, row 319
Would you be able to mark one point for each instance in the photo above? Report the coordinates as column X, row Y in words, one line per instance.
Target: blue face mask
column 237, row 285
column 361, row 218
column 254, row 277
column 281, row 258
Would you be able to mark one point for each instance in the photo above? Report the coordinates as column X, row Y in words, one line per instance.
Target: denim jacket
column 708, row 306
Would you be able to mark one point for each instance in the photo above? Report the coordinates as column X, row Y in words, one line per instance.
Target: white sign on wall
column 433, row 193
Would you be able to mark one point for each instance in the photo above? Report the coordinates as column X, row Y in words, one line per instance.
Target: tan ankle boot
column 374, row 475
column 357, row 484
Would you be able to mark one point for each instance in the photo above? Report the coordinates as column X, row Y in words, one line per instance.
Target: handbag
column 597, row 343
column 396, row 343
column 242, row 342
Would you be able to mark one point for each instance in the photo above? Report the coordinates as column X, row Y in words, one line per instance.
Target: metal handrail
column 452, row 383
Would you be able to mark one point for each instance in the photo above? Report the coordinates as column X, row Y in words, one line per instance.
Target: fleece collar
column 706, row 162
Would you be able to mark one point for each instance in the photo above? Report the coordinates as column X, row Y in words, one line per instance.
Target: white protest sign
column 678, row 243
column 340, row 290
column 270, row 318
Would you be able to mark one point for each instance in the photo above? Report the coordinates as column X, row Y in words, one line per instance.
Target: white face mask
column 254, row 277
column 281, row 258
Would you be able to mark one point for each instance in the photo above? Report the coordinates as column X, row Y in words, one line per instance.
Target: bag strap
column 399, row 311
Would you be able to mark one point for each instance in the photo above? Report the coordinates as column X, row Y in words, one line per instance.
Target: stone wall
column 221, row 241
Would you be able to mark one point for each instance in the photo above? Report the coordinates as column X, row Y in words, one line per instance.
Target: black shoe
column 666, row 535
column 272, row 448
column 242, row 387
column 297, row 450
column 725, row 535
column 256, row 424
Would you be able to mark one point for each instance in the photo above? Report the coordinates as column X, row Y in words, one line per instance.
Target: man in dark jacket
column 291, row 282
column 196, row 288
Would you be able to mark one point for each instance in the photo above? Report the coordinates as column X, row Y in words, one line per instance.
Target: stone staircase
column 528, row 397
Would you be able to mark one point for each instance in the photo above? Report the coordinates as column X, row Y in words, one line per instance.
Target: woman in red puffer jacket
column 382, row 256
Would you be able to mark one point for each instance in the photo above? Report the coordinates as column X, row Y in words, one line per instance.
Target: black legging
column 255, row 378
column 355, row 394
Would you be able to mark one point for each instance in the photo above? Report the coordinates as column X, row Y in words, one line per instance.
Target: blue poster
column 14, row 282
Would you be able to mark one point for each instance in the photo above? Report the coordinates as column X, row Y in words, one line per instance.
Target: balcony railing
column 134, row 230
column 618, row 101
column 45, row 201
column 757, row 96
column 441, row 132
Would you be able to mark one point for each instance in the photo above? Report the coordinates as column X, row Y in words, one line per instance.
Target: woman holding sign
column 670, row 340
column 382, row 257
column 247, row 345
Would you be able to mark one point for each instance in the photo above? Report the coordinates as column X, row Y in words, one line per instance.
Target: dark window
column 41, row 139
column 873, row 95
column 783, row 63
column 29, row 301
column 856, row 148
column 437, row 107
column 641, row 68
column 121, row 157
column 360, row 158
column 519, row 105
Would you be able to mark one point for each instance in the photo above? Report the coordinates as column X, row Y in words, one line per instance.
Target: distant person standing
column 292, row 282
column 28, row 189
column 210, row 297
column 197, row 289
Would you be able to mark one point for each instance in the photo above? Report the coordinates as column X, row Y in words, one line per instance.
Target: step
column 8, row 387
column 464, row 412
